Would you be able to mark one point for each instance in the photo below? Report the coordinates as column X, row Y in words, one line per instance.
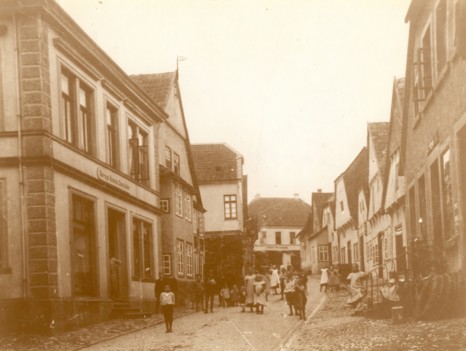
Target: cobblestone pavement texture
column 333, row 328
column 330, row 326
column 225, row 329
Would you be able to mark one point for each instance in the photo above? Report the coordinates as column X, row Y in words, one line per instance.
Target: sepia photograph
column 238, row 175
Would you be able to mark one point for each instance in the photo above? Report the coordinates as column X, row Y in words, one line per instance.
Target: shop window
column 142, row 250
column 83, row 247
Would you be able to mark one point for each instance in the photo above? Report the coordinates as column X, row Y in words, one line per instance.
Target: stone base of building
column 47, row 316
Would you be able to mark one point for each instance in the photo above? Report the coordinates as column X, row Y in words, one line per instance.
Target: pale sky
column 289, row 84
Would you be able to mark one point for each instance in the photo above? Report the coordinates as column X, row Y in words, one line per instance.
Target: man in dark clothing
column 210, row 289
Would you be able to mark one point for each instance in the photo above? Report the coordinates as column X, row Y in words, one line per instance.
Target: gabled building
column 314, row 238
column 378, row 234
column 347, row 188
column 279, row 220
column 182, row 246
column 223, row 187
column 80, row 206
column 433, row 148
column 394, row 202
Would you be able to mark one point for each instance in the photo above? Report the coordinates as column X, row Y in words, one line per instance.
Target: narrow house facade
column 219, row 172
column 347, row 188
column 182, row 250
column 433, row 147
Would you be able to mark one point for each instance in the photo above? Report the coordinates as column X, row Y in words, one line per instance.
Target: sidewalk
column 84, row 337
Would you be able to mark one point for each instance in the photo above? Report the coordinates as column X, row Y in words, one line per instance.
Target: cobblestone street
column 329, row 326
column 333, row 328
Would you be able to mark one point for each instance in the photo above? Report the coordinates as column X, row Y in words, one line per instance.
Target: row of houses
column 400, row 206
column 101, row 191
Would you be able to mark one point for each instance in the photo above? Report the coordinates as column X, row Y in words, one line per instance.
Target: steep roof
column 394, row 136
column 215, row 162
column 307, row 227
column 319, row 201
column 379, row 132
column 156, row 85
column 277, row 211
column 355, row 178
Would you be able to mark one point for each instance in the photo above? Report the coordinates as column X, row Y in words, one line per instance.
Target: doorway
column 118, row 272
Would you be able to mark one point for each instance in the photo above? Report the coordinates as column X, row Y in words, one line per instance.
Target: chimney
column 319, row 190
column 296, row 196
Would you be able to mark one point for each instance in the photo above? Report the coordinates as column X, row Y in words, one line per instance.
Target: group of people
column 257, row 287
column 330, row 279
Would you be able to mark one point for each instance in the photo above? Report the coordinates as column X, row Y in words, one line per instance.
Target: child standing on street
column 225, row 294
column 242, row 298
column 234, row 296
column 167, row 302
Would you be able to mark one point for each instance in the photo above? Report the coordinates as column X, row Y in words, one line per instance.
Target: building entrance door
column 118, row 272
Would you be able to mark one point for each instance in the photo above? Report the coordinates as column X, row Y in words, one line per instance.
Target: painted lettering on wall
column 111, row 179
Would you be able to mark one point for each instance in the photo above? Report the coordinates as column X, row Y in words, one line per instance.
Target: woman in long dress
column 274, row 279
column 249, row 284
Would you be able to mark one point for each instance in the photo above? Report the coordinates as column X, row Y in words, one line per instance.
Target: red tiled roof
column 215, row 162
column 275, row 211
column 156, row 85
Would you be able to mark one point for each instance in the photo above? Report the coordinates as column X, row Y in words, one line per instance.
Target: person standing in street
column 210, row 289
column 301, row 296
column 282, row 278
column 274, row 279
column 167, row 302
column 249, row 285
column 290, row 292
column 198, row 293
column 324, row 279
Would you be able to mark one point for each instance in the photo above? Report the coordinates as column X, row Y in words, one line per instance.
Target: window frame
column 180, row 264
column 112, row 132
column 176, row 163
column 230, row 207
column 167, row 264
column 143, row 270
column 278, row 235
column 138, row 152
column 323, row 253
column 77, row 122
column 188, row 205
column 179, row 200
column 189, row 259
column 165, row 205
column 169, row 159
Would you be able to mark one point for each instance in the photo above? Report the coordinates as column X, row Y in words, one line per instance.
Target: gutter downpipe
column 25, row 280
